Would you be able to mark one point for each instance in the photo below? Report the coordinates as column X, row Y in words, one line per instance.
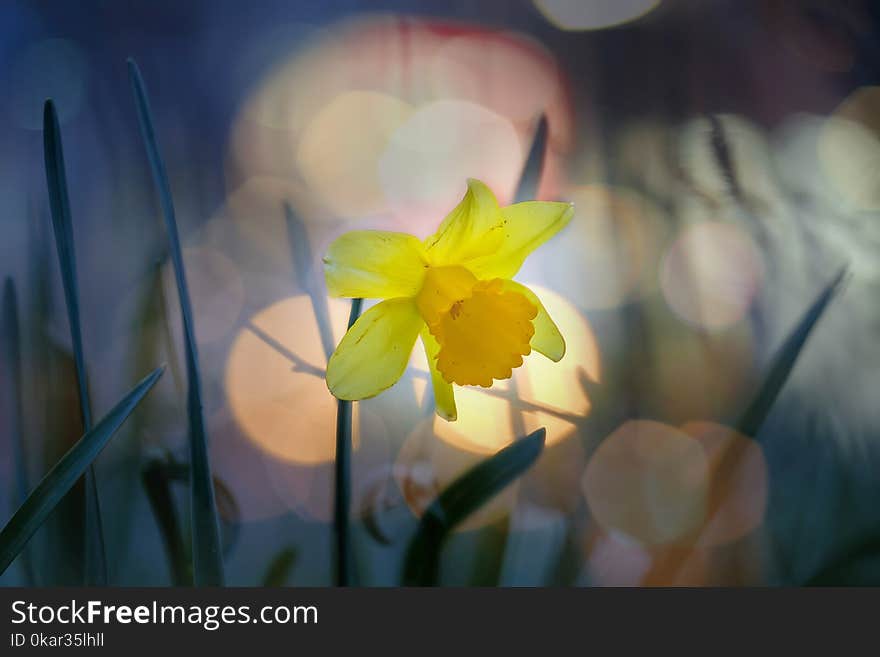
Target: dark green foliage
column 96, row 559
column 207, row 554
column 460, row 499
column 40, row 503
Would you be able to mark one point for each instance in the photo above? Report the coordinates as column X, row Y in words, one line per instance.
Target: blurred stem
column 157, row 485
column 301, row 256
column 342, row 500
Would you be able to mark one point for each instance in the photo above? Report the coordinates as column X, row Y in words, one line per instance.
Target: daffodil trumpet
column 454, row 289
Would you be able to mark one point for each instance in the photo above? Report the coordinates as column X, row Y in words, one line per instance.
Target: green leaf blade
column 62, row 225
column 784, row 361
column 460, row 499
column 59, row 480
column 533, row 169
column 206, row 546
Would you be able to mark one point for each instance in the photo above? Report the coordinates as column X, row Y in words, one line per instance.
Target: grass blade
column 461, row 498
column 207, row 555
column 780, row 368
column 59, row 203
column 753, row 417
column 64, row 474
column 279, row 569
column 530, row 178
column 342, row 493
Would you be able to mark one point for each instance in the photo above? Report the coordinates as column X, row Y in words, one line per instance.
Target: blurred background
column 724, row 161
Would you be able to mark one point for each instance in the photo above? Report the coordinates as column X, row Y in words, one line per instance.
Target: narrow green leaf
column 64, row 474
column 530, row 178
column 753, row 417
column 780, row 368
column 65, row 532
column 279, row 569
column 460, row 499
column 207, row 554
column 161, row 311
column 59, row 203
column 342, row 493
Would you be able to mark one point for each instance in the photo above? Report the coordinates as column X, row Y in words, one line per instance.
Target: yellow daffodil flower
column 454, row 289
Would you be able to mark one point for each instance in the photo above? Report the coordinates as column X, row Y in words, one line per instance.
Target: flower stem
column 342, row 500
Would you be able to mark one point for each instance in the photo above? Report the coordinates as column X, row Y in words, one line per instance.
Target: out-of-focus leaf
column 64, row 474
column 279, row 569
column 301, row 255
column 530, row 178
column 780, row 368
column 59, row 203
column 56, row 424
column 723, row 155
column 460, row 499
column 783, row 362
column 207, row 553
column 753, row 417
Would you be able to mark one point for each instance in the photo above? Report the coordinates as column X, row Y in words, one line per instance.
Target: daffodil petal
column 547, row 339
column 373, row 354
column 471, row 230
column 374, row 264
column 526, row 227
column 444, row 396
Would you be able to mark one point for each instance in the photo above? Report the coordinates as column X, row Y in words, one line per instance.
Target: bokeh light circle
column 384, row 116
column 275, row 382
column 443, row 143
column 492, row 71
column 738, row 492
column 711, row 274
column 576, row 15
column 649, row 481
column 611, row 248
column 340, row 146
column 849, row 150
